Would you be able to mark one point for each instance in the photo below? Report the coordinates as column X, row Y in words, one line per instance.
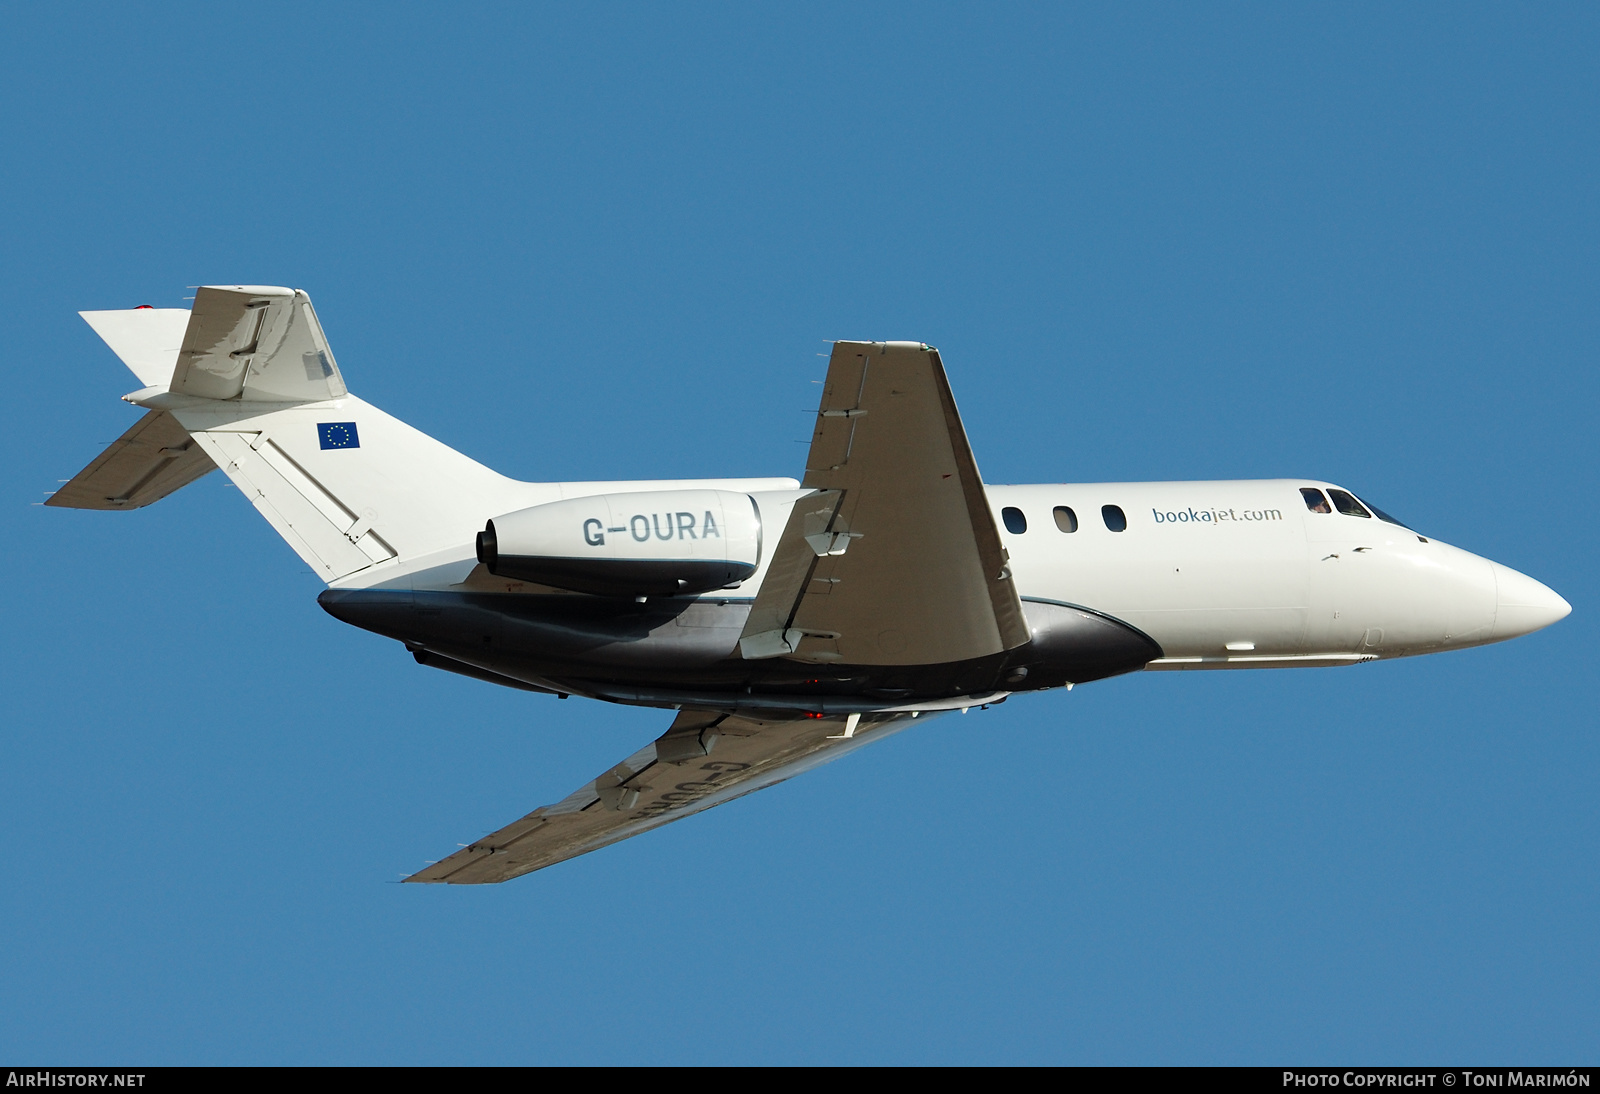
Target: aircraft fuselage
column 1113, row 577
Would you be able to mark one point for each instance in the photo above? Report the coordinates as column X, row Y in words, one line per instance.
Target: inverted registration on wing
column 705, row 759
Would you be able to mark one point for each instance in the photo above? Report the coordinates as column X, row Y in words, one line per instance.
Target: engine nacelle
column 658, row 543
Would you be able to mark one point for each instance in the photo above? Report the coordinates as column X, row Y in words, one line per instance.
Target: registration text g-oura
column 662, row 525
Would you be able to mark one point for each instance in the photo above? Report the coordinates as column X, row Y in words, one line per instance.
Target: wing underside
column 703, row 760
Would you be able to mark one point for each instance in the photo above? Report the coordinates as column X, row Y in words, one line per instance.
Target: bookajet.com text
column 1212, row 516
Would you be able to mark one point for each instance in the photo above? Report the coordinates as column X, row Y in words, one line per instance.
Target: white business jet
column 786, row 622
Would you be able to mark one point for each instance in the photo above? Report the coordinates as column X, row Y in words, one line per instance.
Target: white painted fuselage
column 1243, row 574
column 1221, row 574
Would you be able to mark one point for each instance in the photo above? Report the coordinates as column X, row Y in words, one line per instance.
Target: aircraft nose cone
column 1523, row 605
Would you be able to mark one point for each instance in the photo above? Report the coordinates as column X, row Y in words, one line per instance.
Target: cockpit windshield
column 1381, row 515
column 1346, row 503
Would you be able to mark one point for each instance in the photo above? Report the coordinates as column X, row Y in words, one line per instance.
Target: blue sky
column 1152, row 242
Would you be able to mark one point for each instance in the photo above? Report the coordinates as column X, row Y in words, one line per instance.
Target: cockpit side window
column 1066, row 519
column 1348, row 505
column 1314, row 500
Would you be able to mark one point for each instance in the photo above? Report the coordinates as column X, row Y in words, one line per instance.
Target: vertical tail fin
column 246, row 381
column 348, row 486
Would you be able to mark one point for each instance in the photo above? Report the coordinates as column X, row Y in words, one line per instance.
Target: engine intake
column 659, row 543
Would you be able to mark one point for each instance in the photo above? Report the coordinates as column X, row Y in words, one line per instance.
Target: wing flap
column 896, row 559
column 703, row 760
column 152, row 459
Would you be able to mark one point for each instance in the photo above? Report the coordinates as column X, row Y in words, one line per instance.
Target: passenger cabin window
column 1066, row 519
column 1314, row 500
column 1016, row 523
column 1348, row 505
column 1115, row 518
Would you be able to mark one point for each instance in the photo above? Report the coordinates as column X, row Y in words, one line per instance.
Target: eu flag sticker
column 338, row 435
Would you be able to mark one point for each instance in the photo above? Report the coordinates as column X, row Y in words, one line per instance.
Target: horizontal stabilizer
column 145, row 464
column 147, row 339
column 255, row 342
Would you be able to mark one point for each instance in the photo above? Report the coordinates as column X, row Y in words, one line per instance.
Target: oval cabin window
column 1066, row 519
column 1016, row 523
column 1115, row 518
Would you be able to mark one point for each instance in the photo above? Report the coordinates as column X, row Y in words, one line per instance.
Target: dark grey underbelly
column 668, row 648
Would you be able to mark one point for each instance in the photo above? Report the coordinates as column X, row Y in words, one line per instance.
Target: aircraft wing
column 895, row 559
column 704, row 759
column 152, row 459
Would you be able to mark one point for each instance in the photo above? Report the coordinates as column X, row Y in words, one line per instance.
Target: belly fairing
column 587, row 644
